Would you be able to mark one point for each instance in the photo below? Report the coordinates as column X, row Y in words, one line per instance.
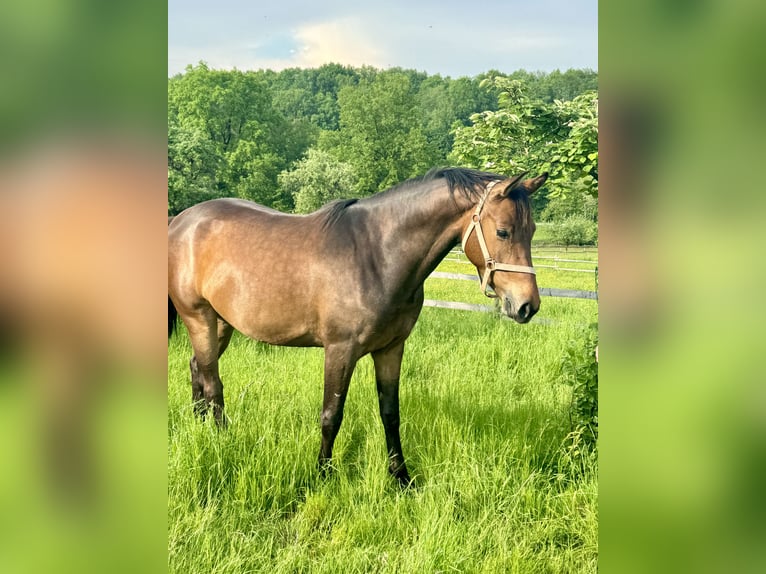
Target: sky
column 448, row 37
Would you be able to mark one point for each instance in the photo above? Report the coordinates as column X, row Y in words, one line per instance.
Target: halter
column 490, row 265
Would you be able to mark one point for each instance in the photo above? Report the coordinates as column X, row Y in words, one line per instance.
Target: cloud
column 453, row 42
column 343, row 40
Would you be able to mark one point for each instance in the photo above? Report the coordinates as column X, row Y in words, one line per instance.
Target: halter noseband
column 490, row 265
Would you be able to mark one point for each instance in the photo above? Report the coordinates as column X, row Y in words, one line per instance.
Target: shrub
column 564, row 206
column 574, row 230
column 579, row 369
column 318, row 179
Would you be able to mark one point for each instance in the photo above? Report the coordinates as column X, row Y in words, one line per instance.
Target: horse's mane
column 334, row 211
column 471, row 183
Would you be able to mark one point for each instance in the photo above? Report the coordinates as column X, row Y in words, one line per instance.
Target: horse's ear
column 532, row 185
column 504, row 187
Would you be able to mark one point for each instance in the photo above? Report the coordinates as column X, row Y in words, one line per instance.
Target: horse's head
column 498, row 241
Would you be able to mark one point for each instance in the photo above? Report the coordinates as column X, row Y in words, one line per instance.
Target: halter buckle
column 490, row 264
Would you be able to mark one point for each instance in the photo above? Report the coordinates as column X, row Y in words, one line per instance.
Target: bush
column 574, row 230
column 579, row 369
column 318, row 179
column 564, row 206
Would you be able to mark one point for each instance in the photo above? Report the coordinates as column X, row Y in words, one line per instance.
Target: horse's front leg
column 198, row 396
column 339, row 363
column 388, row 364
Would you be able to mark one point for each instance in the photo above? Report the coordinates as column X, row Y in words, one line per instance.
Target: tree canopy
column 298, row 138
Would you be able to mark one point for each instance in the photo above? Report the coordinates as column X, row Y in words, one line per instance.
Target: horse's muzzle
column 522, row 314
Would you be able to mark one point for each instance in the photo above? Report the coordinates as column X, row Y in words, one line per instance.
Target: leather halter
column 490, row 265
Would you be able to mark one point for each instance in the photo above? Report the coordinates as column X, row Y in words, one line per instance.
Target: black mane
column 334, row 211
column 471, row 183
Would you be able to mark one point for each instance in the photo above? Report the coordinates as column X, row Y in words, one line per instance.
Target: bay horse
column 348, row 277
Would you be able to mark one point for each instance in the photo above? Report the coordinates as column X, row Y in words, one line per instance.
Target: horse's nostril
column 524, row 311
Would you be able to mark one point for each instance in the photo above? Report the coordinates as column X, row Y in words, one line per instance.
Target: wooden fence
column 458, row 255
column 544, row 291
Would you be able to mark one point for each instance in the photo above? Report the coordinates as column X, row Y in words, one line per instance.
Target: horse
column 348, row 277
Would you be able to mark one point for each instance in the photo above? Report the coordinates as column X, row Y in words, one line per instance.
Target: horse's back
column 227, row 226
column 246, row 261
column 230, row 209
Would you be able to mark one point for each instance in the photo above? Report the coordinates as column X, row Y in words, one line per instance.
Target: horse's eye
column 502, row 234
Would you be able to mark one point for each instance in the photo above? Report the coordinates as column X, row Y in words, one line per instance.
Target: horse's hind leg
column 225, row 332
column 203, row 327
column 224, row 335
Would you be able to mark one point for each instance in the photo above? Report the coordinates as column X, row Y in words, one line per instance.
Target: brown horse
column 348, row 278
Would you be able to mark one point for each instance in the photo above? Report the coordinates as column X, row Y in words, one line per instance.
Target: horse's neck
column 418, row 229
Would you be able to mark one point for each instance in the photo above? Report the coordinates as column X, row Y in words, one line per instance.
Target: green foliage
column 192, row 166
column 250, row 172
column 312, row 94
column 444, row 103
column 504, row 140
column 574, row 159
column 531, row 135
column 557, row 85
column 579, row 369
column 523, row 134
column 318, row 179
column 559, row 208
column 574, row 230
column 226, row 139
column 226, row 105
column 380, row 134
column 231, row 133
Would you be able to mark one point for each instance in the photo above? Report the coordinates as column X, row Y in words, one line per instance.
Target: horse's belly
column 283, row 337
column 277, row 323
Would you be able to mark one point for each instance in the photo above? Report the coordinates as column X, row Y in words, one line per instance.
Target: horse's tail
column 172, row 317
column 172, row 312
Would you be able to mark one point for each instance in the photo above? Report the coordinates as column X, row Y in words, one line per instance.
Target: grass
column 484, row 427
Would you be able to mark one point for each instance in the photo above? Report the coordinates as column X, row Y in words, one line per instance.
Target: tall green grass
column 484, row 427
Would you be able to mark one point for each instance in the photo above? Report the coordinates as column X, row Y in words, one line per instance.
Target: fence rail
column 458, row 256
column 544, row 291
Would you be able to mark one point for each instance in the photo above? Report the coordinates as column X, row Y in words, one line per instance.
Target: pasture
column 484, row 425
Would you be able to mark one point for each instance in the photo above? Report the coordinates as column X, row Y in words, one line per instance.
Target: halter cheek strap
column 490, row 265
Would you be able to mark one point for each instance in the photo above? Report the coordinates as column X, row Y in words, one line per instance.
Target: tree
column 226, row 105
column 380, row 133
column 311, row 94
column 574, row 159
column 231, row 133
column 192, row 166
column 527, row 135
column 226, row 139
column 443, row 103
column 318, row 179
column 556, row 85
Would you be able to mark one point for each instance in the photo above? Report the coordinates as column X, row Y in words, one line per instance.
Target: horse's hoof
column 407, row 483
column 403, row 478
column 325, row 468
